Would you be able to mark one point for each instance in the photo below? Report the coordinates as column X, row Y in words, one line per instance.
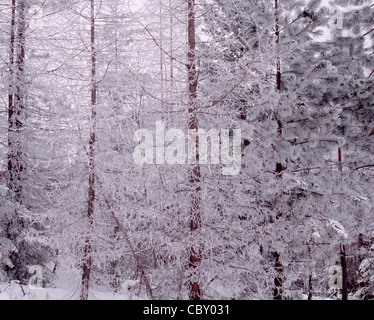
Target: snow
column 337, row 226
column 316, row 235
column 15, row 291
column 306, row 180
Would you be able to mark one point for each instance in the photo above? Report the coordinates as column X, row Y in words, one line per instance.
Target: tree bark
column 87, row 261
column 16, row 101
column 11, row 74
column 278, row 281
column 195, row 174
column 343, row 259
column 278, row 65
column 340, row 159
column 310, row 287
column 277, row 41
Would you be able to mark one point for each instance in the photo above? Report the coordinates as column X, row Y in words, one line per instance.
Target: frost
column 337, row 226
column 128, row 285
column 99, row 71
column 316, row 235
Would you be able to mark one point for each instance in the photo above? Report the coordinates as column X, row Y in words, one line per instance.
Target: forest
column 186, row 149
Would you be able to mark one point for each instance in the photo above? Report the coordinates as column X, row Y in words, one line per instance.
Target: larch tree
column 195, row 175
column 87, row 262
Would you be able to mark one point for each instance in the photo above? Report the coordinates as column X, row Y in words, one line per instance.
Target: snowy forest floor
column 66, row 286
column 15, row 291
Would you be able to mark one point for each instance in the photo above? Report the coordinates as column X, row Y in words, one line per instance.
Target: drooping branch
column 128, row 241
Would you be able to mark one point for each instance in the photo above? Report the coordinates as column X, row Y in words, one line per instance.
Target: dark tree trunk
column 195, row 175
column 340, row 159
column 16, row 120
column 278, row 281
column 310, row 287
column 277, row 42
column 87, row 261
column 343, row 259
column 278, row 73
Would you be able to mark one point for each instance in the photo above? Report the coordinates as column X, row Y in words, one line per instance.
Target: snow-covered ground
column 15, row 291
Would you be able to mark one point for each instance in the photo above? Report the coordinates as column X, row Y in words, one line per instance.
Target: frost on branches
column 186, row 149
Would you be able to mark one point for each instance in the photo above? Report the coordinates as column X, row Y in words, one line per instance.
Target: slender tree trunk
column 278, row 279
column 16, row 101
column 171, row 47
column 162, row 78
column 310, row 287
column 195, row 174
column 278, row 64
column 170, row 86
column 340, row 159
column 343, row 259
column 13, row 172
column 87, row 262
column 11, row 73
column 277, row 42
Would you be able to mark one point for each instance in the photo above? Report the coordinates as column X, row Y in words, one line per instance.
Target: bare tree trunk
column 87, row 262
column 171, row 46
column 277, row 41
column 343, row 259
column 11, row 73
column 13, row 174
column 16, row 101
column 278, row 64
column 278, row 267
column 170, row 91
column 278, row 281
column 195, row 174
column 310, row 287
column 340, row 159
column 162, row 78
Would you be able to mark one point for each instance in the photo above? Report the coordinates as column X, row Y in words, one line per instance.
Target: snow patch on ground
column 15, row 291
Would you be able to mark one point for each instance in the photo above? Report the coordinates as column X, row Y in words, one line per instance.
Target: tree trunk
column 195, row 174
column 11, row 76
column 343, row 259
column 161, row 43
column 278, row 65
column 340, row 159
column 310, row 287
column 278, row 281
column 87, row 262
column 277, row 41
column 16, row 101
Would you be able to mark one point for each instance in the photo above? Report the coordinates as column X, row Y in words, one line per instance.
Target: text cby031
column 208, row 309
